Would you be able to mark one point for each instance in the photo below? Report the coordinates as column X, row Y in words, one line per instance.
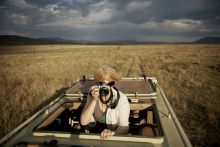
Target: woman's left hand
column 106, row 133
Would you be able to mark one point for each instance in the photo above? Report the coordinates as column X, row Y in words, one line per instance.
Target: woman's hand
column 95, row 93
column 106, row 133
column 88, row 110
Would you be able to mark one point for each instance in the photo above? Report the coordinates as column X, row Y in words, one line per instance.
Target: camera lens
column 103, row 91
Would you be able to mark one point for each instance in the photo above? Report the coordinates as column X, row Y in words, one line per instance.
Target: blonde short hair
column 104, row 72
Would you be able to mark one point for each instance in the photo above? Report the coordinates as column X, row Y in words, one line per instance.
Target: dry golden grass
column 189, row 75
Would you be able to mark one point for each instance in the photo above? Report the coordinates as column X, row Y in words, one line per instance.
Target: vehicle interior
column 143, row 120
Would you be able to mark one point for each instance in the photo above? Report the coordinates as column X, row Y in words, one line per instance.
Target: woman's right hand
column 90, row 106
column 95, row 93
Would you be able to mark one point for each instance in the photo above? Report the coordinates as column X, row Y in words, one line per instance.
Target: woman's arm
column 122, row 130
column 124, row 113
column 90, row 106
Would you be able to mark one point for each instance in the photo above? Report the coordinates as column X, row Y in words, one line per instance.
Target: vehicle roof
column 174, row 135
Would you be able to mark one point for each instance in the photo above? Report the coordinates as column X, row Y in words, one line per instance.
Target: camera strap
column 115, row 103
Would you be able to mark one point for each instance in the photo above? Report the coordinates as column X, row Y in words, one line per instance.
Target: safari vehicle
column 152, row 120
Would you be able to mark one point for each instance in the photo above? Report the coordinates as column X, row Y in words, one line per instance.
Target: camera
column 103, row 90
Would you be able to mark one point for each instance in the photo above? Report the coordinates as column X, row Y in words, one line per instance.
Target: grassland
column 189, row 75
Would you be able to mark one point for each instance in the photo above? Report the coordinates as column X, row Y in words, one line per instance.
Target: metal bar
column 130, row 94
column 128, row 78
column 134, row 138
column 152, row 85
column 175, row 120
column 160, row 130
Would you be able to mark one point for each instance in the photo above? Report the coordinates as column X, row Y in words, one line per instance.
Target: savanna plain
column 31, row 76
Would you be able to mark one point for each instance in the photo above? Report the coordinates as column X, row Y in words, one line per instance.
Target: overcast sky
column 109, row 20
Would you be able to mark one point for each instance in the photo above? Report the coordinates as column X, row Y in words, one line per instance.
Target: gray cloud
column 103, row 20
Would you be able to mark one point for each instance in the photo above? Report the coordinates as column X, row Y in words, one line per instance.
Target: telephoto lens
column 103, row 91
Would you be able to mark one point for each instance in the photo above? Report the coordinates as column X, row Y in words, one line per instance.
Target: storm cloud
column 109, row 20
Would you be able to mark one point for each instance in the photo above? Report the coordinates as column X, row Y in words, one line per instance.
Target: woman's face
column 107, row 81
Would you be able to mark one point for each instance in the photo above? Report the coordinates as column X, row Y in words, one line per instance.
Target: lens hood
column 103, row 91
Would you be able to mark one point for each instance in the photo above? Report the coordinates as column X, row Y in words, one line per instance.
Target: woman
column 106, row 107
